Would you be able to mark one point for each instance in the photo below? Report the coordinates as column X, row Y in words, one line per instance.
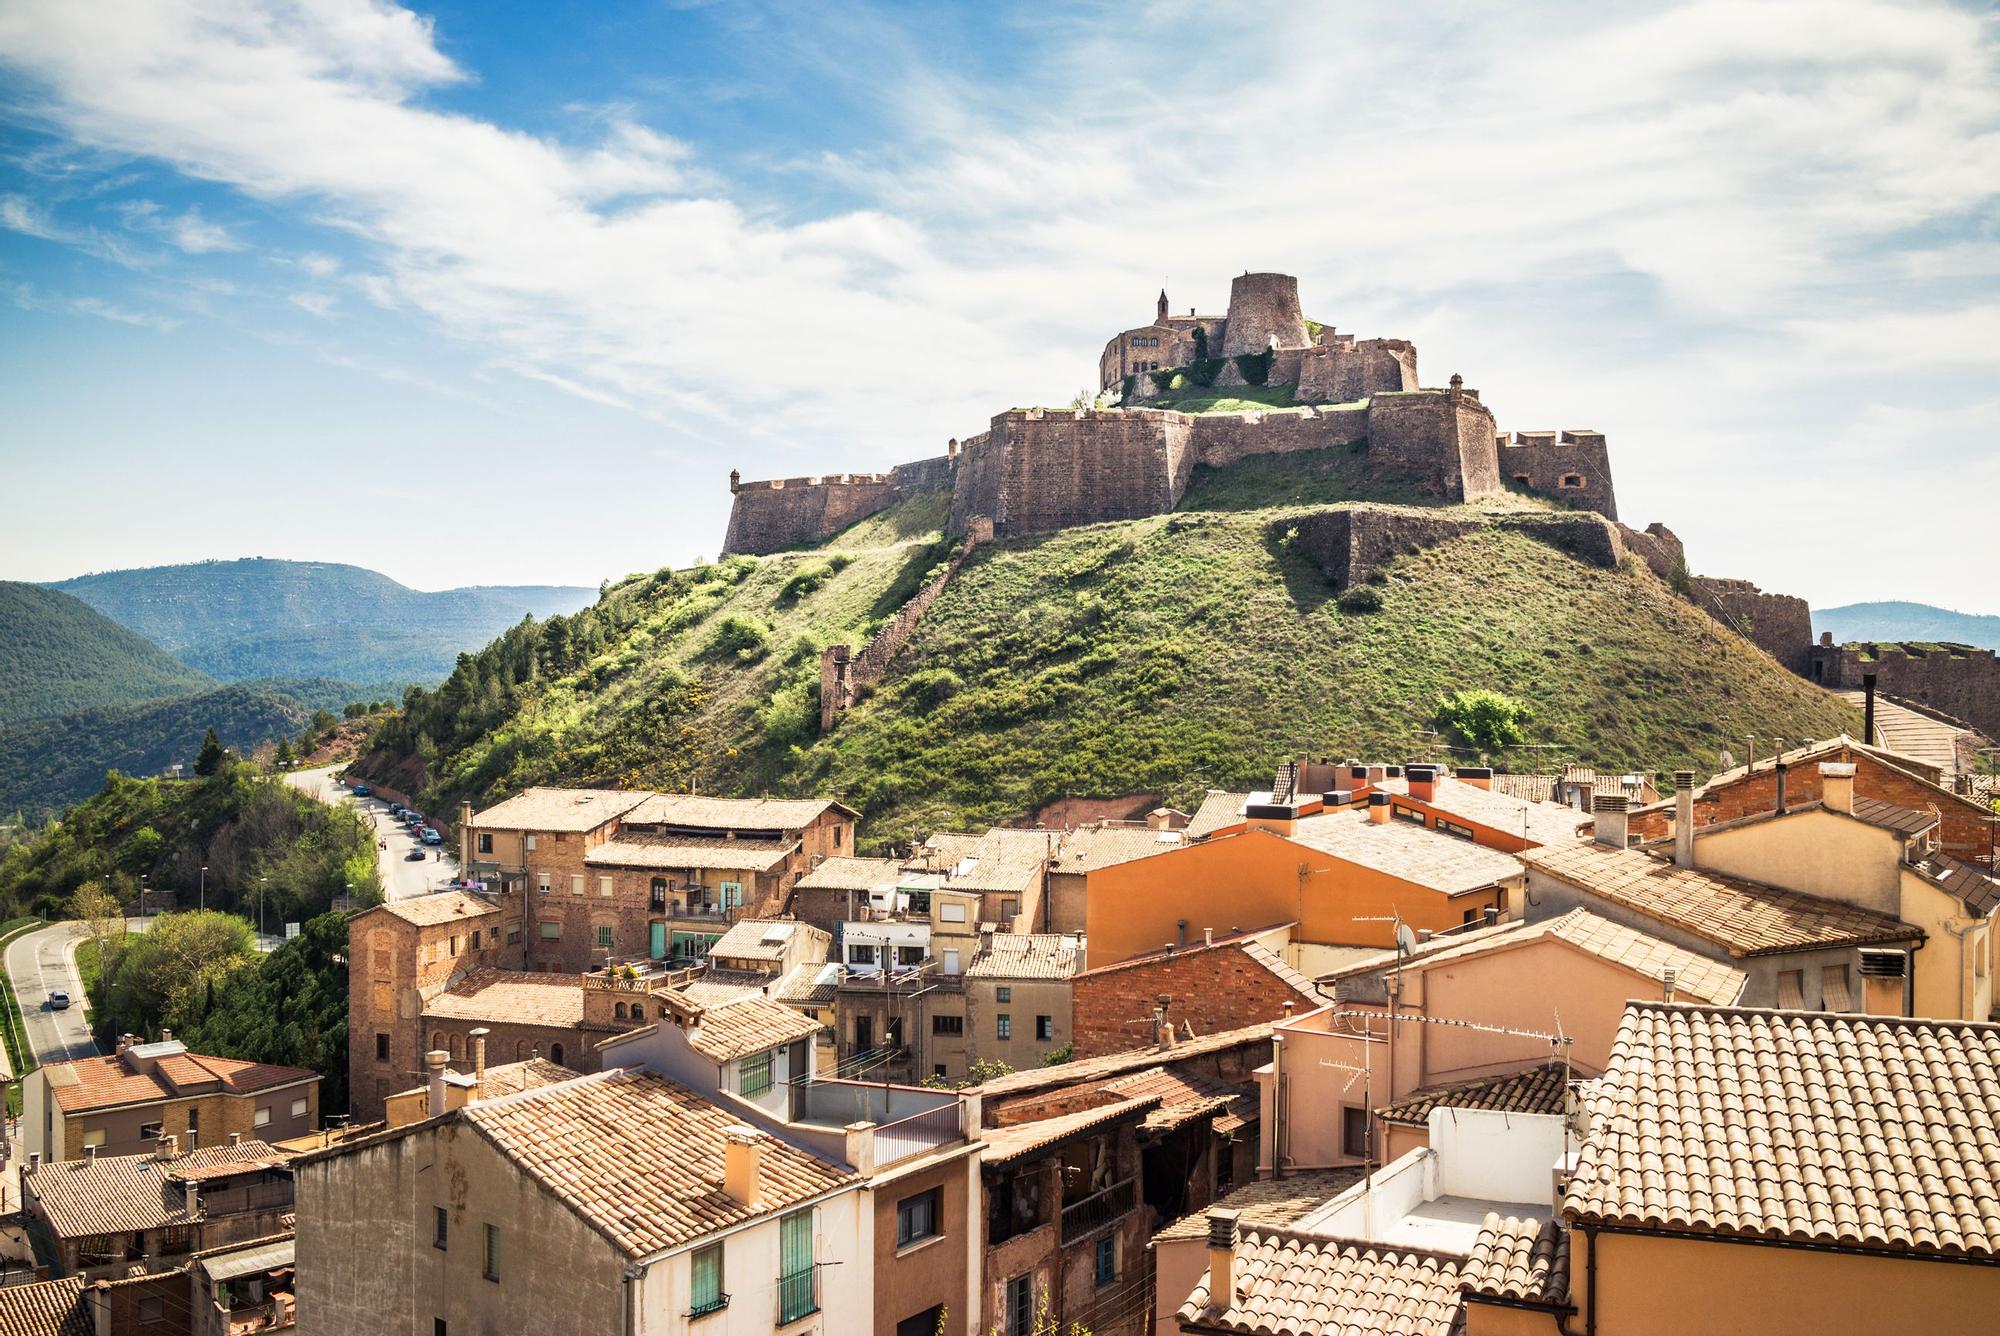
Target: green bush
column 1255, row 367
column 744, row 639
column 1484, row 719
column 806, row 580
column 1360, row 598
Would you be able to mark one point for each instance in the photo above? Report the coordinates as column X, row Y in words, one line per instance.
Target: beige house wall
column 1952, row 975
column 1648, row 1286
column 1027, row 999
column 1815, row 853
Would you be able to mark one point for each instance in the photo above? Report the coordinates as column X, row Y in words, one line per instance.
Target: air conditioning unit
column 1880, row 964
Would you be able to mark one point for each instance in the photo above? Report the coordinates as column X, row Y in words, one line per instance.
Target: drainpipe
column 1590, row 1279
column 1277, row 1105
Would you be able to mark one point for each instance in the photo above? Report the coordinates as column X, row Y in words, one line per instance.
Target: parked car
column 362, row 790
column 59, row 1001
column 397, row 809
column 412, row 819
column 415, row 856
column 429, row 836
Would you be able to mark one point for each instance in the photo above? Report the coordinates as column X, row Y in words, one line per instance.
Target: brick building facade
column 1211, row 986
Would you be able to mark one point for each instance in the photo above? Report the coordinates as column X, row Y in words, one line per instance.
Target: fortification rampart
column 778, row 513
column 1223, row 438
column 1957, row 680
column 842, row 673
column 1058, row 469
column 1778, row 624
column 1573, row 466
column 1442, row 438
column 1340, row 369
column 1351, row 543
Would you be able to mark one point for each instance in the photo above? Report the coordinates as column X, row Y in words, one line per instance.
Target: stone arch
column 520, row 1050
column 556, row 1054
column 454, row 1047
column 617, row 1011
column 437, row 1040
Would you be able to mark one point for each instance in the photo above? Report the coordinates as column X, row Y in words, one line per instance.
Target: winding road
column 402, row 878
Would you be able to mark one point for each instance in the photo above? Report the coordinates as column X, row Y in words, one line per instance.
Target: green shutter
column 797, row 1292
column 705, row 1288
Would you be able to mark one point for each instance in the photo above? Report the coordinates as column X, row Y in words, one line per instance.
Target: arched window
column 437, row 1040
column 617, row 1011
column 555, row 1053
column 520, row 1050
column 454, row 1048
column 1524, row 480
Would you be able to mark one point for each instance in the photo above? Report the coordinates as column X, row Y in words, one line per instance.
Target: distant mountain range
column 57, row 655
column 260, row 618
column 1906, row 621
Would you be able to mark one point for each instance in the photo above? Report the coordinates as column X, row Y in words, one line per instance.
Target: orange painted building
column 1341, row 876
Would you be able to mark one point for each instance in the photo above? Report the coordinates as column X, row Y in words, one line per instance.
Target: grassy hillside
column 47, row 764
column 254, row 618
column 58, row 655
column 1907, row 621
column 1168, row 654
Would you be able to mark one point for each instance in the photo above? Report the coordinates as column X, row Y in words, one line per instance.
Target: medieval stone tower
column 1263, row 313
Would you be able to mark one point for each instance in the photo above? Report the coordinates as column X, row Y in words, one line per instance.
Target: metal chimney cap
column 1222, row 1227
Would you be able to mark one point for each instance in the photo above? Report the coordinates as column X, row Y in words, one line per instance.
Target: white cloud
column 105, row 310
column 1754, row 197
column 320, row 304
column 190, row 231
column 319, row 265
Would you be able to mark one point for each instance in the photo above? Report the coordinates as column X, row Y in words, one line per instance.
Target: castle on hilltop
column 1036, row 470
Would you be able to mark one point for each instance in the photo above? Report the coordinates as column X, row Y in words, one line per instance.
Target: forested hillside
column 1163, row 655
column 57, row 655
column 258, row 618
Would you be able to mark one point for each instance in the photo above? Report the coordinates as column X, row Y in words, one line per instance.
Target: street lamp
column 263, row 884
column 204, row 886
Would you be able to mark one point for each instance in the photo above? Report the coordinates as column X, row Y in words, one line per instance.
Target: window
column 920, row 902
column 262, row 1118
column 440, row 1227
column 836, row 836
column 153, row 1131
column 604, row 934
column 1792, row 989
column 798, row 1288
column 861, row 953
column 1045, row 1027
column 152, row 1309
column 1107, row 1259
column 299, row 1107
column 542, row 882
column 438, row 1327
column 1453, row 829
column 475, row 939
column 1354, row 1132
column 485, row 843
column 753, row 1075
column 94, row 1138
column 1003, row 994
column 921, row 1324
column 490, row 1259
column 555, row 1053
column 1009, row 908
column 917, row 1218
column 1409, row 814
column 617, row 1011
column 705, row 1281
column 1003, row 1026
column 604, row 887
column 951, row 911
column 552, row 932
column 194, row 1120
column 1833, row 991
column 528, row 843
column 381, row 1047
column 454, row 945
column 864, row 1032
column 576, row 883
column 1020, row 1306
column 1572, row 480
column 909, row 956
column 951, row 965
column 947, row 1025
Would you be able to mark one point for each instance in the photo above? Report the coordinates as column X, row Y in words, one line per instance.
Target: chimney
column 434, row 1062
column 193, row 1197
column 465, row 840
column 1868, row 708
column 1684, row 818
column 1358, row 774
column 1222, row 1278
column 167, row 1148
column 1611, row 819
column 1781, row 783
column 1286, row 1007
column 1478, row 776
column 1375, row 774
column 1423, row 781
column 166, row 1035
column 479, row 1060
column 1669, row 976
column 235, row 1138
column 743, row 1164
column 1208, row 936
column 1163, row 1027
column 1378, row 808
column 90, row 1153
column 1836, row 786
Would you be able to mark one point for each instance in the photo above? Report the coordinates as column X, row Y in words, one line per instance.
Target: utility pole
column 204, row 886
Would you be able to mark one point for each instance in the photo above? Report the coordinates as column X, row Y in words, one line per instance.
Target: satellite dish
column 1406, row 941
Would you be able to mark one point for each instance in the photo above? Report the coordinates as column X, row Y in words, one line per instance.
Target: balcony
column 1092, row 1213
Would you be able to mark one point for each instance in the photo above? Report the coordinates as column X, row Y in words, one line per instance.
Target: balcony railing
column 917, row 1133
column 1097, row 1210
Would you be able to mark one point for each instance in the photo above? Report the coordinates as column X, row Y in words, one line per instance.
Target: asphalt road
column 402, row 879
column 44, row 962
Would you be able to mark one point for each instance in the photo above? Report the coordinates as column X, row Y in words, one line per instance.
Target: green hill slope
column 1907, row 621
column 58, row 655
column 47, row 764
column 253, row 618
column 1165, row 655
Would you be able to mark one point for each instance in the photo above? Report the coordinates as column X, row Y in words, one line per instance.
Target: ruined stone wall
column 1956, row 679
column 1573, row 466
column 1778, row 624
column 1444, row 439
column 1658, row 546
column 1263, row 307
column 1351, row 543
column 922, row 475
column 1341, row 370
column 842, row 672
column 1224, row 438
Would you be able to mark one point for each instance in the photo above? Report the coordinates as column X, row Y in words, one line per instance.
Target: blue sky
column 484, row 293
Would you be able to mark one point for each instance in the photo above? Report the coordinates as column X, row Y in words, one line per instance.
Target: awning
column 1791, row 990
column 1833, row 994
column 229, row 1266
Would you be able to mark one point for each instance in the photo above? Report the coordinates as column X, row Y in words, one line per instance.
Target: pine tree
column 211, row 756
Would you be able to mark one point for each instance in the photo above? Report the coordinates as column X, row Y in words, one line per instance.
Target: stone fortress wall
column 1957, row 680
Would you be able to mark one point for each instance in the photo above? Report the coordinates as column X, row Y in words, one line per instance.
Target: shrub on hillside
column 1360, row 598
column 744, row 639
column 1486, row 720
column 811, row 575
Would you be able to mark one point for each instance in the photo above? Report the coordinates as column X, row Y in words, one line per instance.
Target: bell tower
column 1162, row 317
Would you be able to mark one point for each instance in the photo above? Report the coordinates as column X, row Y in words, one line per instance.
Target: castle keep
column 1037, row 470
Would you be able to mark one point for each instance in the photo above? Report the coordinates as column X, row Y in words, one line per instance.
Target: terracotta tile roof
column 1746, row 918
column 1109, row 1065
column 1529, row 788
column 851, row 874
column 809, row 985
column 1026, row 955
column 1296, row 1284
column 1218, row 810
column 566, row 810
column 937, row 852
column 1902, row 820
column 749, row 1024
column 1091, row 847
column 1974, row 885
column 719, row 986
column 690, row 809
column 442, row 907
column 508, row 1078
column 1526, row 1260
column 514, row 997
column 1871, row 1132
column 46, row 1308
column 1184, row 1096
column 1006, row 1144
column 687, row 851
column 119, row 1194
column 1003, row 860
column 766, row 939
column 1458, row 941
column 1539, row 1089
column 1545, row 822
column 1405, row 851
column 640, row 1157
column 1268, row 1201
column 109, row 1082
